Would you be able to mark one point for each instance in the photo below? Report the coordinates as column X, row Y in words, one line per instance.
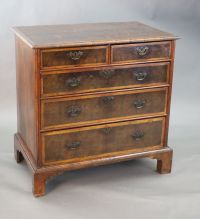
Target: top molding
column 69, row 35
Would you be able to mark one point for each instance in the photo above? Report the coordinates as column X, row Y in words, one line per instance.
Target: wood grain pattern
column 74, row 57
column 70, row 146
column 62, row 113
column 140, row 52
column 80, row 82
column 90, row 34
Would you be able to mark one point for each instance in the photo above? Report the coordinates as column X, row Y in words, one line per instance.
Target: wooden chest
column 92, row 94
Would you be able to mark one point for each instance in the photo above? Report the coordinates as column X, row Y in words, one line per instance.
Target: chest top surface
column 89, row 34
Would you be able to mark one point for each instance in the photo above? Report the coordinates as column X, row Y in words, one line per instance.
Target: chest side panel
column 26, row 83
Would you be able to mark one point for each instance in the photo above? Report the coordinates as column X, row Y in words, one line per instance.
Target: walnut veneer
column 92, row 94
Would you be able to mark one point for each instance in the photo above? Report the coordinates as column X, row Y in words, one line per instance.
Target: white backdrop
column 128, row 190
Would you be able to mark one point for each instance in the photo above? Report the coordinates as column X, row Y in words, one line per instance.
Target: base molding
column 41, row 174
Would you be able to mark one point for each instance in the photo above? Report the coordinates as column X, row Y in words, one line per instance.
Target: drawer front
column 70, row 145
column 74, row 57
column 104, row 79
column 97, row 108
column 140, row 52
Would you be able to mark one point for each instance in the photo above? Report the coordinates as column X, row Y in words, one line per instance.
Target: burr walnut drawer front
column 140, row 52
column 64, row 112
column 104, row 79
column 74, row 57
column 73, row 144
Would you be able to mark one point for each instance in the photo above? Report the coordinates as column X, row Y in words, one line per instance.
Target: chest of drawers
column 92, row 94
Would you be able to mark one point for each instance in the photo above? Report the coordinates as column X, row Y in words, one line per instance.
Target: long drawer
column 92, row 109
column 81, row 81
column 83, row 143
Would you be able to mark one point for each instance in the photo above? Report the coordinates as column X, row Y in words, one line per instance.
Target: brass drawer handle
column 76, row 55
column 74, row 145
column 73, row 82
column 138, row 135
column 140, row 76
column 107, row 100
column 142, row 50
column 74, row 111
column 107, row 74
column 107, row 130
column 139, row 104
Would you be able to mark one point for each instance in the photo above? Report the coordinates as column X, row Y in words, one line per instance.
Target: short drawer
column 102, row 140
column 140, row 52
column 74, row 57
column 92, row 109
column 61, row 83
